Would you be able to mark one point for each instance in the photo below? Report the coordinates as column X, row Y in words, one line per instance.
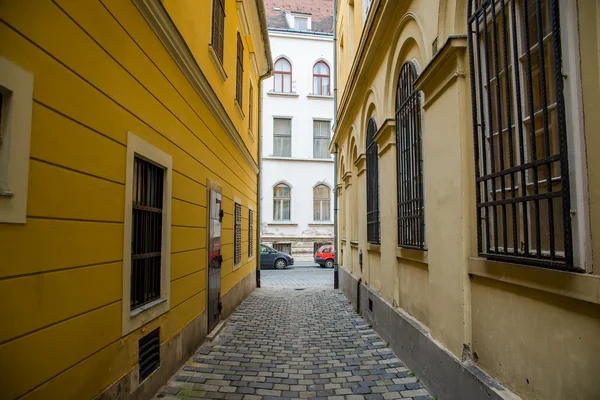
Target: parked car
column 271, row 258
column 324, row 256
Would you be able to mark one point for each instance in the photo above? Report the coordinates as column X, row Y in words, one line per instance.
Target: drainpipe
column 260, row 5
column 336, row 272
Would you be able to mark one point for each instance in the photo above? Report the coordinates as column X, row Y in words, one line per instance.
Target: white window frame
column 276, row 117
column 329, row 131
column 133, row 319
column 17, row 87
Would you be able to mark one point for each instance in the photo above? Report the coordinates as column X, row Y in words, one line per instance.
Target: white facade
column 298, row 169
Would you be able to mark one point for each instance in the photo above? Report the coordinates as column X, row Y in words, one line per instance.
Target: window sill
column 282, row 94
column 318, row 223
column 238, row 108
column 325, row 160
column 374, row 248
column 285, row 223
column 251, row 135
column 319, row 97
column 146, row 307
column 412, row 255
column 217, row 63
column 354, row 243
column 343, row 240
column 580, row 286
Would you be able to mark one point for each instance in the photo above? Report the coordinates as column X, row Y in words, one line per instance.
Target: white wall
column 300, row 171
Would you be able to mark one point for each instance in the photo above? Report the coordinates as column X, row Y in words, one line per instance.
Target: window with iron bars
column 147, row 227
column 250, row 233
column 237, row 234
column 372, row 184
column 218, row 28
column 239, row 83
column 520, row 135
column 409, row 161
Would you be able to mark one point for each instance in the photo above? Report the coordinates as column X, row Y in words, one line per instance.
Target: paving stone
column 414, row 393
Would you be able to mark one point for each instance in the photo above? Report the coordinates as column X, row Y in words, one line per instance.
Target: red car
column 324, row 256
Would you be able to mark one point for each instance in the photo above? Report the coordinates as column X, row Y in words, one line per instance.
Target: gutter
column 336, row 272
column 260, row 5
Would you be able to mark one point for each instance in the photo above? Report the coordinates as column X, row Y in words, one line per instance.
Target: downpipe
column 336, row 272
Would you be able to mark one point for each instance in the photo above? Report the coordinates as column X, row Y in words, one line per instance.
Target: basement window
column 149, row 354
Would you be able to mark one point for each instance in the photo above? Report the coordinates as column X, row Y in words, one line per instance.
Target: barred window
column 251, row 108
column 409, row 161
column 321, row 203
column 282, row 198
column 372, row 184
column 239, row 82
column 321, row 132
column 282, row 137
column 250, row 233
column 237, row 234
column 218, row 28
column 521, row 164
column 282, row 76
column 146, row 232
column 321, row 79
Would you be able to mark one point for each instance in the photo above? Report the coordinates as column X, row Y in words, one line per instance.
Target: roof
column 320, row 11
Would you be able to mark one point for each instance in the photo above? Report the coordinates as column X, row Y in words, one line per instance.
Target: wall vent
column 149, row 355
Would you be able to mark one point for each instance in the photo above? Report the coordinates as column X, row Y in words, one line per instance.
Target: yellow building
column 466, row 135
column 128, row 187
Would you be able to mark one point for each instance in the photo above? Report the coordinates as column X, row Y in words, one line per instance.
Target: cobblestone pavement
column 299, row 344
column 303, row 277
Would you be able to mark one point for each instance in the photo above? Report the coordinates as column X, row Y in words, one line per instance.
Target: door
column 214, row 259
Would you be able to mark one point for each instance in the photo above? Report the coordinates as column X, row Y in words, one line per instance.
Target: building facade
column 469, row 193
column 297, row 114
column 128, row 188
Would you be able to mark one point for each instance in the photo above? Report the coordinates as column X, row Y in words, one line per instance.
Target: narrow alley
column 292, row 341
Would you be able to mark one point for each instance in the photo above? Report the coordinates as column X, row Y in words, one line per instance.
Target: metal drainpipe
column 259, row 183
column 336, row 272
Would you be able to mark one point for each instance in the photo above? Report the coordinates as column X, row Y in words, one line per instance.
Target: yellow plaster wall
column 100, row 72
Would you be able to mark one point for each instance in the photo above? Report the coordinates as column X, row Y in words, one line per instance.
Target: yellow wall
column 534, row 330
column 100, row 72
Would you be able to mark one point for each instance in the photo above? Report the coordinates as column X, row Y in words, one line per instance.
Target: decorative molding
column 386, row 136
column 360, row 164
column 239, row 110
column 157, row 17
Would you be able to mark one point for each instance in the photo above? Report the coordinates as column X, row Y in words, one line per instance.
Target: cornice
column 386, row 136
column 360, row 164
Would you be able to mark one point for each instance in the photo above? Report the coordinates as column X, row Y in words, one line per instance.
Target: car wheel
column 280, row 263
column 329, row 264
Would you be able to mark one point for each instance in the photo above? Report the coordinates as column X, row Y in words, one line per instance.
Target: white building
column 297, row 116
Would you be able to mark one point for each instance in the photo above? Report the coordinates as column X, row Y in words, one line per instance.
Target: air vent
column 149, row 354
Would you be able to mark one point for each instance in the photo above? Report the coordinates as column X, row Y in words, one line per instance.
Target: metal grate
column 239, row 82
column 520, row 136
column 149, row 354
column 250, row 233
column 372, row 184
column 147, row 226
column 409, row 162
column 218, row 28
column 237, row 234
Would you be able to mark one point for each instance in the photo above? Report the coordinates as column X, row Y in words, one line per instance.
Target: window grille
column 372, row 184
column 321, row 137
column 147, row 228
column 409, row 161
column 520, row 135
column 237, row 234
column 321, row 203
column 282, row 76
column 250, row 233
column 239, row 83
column 282, row 137
column 282, row 198
column 321, row 78
column 218, row 28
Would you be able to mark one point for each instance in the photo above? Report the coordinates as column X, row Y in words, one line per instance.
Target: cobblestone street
column 295, row 342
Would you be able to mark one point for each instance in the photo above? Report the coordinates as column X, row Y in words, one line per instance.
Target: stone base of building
column 440, row 371
column 301, row 248
column 175, row 352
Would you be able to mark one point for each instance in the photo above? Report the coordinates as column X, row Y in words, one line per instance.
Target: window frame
column 321, row 201
column 250, row 232
column 320, row 78
column 280, row 135
column 239, row 72
column 328, row 138
column 281, row 75
column 237, row 233
column 372, row 182
column 133, row 319
column 281, row 200
column 17, row 86
column 217, row 37
column 565, row 38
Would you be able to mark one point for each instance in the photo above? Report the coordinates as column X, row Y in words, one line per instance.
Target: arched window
column 321, row 203
column 321, row 79
column 282, row 76
column 520, row 132
column 372, row 184
column 409, row 161
column 282, row 199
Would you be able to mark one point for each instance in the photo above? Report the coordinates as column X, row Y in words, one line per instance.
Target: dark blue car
column 271, row 258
